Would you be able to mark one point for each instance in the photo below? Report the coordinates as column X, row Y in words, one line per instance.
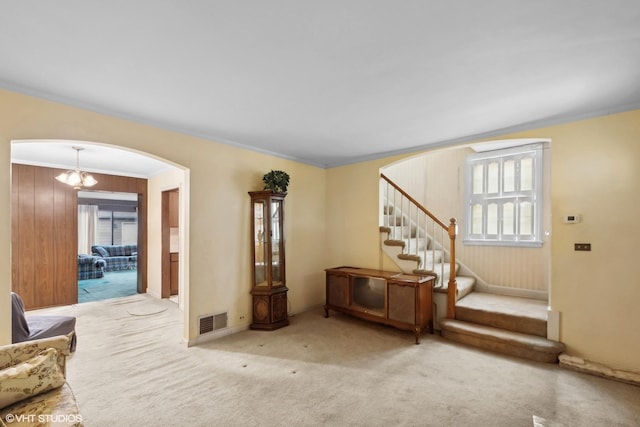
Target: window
column 504, row 195
column 117, row 228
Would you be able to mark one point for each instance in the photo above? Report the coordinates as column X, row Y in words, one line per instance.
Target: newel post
column 452, row 287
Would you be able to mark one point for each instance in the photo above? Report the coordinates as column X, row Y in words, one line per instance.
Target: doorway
column 107, row 245
column 170, row 243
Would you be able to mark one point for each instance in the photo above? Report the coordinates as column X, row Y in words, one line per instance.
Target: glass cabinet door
column 277, row 243
column 260, row 244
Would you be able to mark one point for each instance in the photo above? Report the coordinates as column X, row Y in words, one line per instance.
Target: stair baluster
column 409, row 229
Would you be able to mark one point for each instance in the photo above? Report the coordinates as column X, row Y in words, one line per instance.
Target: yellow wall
column 219, row 178
column 353, row 215
column 595, row 169
column 170, row 180
column 332, row 218
column 5, row 241
column 595, row 172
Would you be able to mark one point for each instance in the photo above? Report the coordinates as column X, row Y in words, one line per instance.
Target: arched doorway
column 51, row 212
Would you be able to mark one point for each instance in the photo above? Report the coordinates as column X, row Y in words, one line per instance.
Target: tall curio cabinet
column 269, row 293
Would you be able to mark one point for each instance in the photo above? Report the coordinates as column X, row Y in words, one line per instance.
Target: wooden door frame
column 142, row 244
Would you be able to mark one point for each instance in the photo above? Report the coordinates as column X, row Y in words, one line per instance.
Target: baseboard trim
column 153, row 293
column 600, row 370
column 229, row 331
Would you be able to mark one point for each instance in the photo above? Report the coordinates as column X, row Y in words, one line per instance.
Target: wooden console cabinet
column 404, row 301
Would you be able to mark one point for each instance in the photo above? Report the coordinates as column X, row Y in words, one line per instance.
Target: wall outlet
column 242, row 317
column 582, row 246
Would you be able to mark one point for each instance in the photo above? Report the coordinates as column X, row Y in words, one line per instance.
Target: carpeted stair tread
column 409, row 257
column 507, row 342
column 464, row 284
column 526, row 307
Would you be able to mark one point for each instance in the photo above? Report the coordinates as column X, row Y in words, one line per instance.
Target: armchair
column 33, row 327
column 33, row 389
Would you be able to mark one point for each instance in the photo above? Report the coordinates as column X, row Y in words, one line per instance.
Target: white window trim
column 499, row 239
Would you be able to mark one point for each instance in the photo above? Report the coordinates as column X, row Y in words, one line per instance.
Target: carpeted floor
column 114, row 284
column 131, row 369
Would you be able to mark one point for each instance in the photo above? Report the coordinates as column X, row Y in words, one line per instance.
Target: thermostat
column 572, row 219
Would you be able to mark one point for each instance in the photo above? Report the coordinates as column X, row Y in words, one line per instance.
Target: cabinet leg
column 416, row 331
column 326, row 312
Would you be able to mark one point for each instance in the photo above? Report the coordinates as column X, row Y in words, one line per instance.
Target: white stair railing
column 425, row 237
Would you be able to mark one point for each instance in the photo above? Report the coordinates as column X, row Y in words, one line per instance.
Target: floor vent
column 212, row 322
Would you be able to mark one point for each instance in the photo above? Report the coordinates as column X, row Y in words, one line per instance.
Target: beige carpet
column 133, row 370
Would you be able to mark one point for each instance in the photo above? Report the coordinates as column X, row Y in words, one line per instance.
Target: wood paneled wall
column 44, row 234
column 44, row 238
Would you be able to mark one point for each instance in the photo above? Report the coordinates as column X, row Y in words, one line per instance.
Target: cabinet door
column 276, row 238
column 337, row 290
column 402, row 303
column 279, row 307
column 174, row 268
column 260, row 242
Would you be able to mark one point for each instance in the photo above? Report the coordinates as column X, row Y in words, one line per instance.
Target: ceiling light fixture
column 75, row 177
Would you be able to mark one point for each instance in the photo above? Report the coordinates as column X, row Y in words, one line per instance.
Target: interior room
column 107, row 219
column 448, row 244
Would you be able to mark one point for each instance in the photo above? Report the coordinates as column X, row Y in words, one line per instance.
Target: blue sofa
column 117, row 257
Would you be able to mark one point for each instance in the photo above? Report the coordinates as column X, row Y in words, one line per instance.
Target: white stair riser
column 402, row 232
column 432, row 256
column 408, row 266
column 414, row 245
column 443, row 277
column 393, row 220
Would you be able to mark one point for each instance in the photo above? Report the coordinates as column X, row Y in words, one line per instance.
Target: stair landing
column 524, row 315
column 527, row 307
column 526, row 346
column 505, row 324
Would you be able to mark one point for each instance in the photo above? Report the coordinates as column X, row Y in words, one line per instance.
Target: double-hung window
column 503, row 193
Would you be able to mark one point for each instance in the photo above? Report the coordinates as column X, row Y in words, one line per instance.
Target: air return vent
column 212, row 322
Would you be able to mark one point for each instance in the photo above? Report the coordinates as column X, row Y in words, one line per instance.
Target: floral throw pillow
column 37, row 375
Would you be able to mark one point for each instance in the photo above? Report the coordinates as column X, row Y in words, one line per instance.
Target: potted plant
column 276, row 181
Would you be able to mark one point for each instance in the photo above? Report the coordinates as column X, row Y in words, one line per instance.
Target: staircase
column 415, row 240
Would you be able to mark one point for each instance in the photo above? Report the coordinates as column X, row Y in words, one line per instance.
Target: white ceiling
column 328, row 82
column 93, row 158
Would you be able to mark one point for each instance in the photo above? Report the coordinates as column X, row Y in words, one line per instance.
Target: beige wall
column 175, row 178
column 352, row 212
column 332, row 219
column 5, row 241
column 219, row 178
column 595, row 172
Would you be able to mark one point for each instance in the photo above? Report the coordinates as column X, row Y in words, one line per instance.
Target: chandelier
column 76, row 178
